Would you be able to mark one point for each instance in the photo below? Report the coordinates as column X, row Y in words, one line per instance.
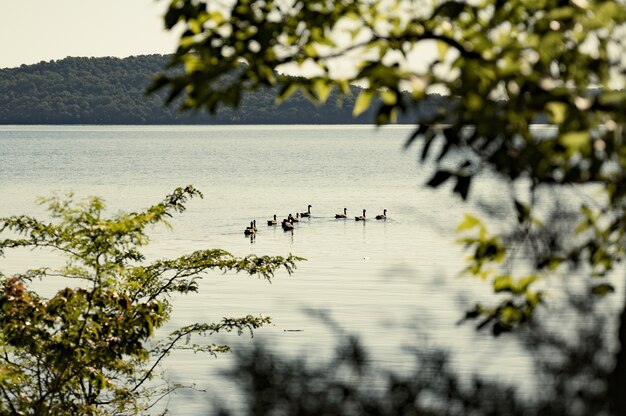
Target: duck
column 383, row 216
column 307, row 213
column 272, row 222
column 344, row 215
column 360, row 218
column 250, row 230
column 287, row 225
column 292, row 219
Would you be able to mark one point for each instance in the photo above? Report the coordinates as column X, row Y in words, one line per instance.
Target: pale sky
column 41, row 30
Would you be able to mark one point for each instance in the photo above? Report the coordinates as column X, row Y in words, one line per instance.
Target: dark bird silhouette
column 250, row 230
column 272, row 222
column 287, row 225
column 344, row 215
column 307, row 213
column 383, row 216
column 360, row 218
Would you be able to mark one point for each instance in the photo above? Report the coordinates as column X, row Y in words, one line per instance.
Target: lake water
column 395, row 283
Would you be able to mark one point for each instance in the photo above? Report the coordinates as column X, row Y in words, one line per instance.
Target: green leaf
column 389, row 97
column 523, row 283
column 310, row 51
column 502, row 283
column 363, row 102
column 286, row 92
column 468, row 222
column 575, row 141
column 217, row 18
column 511, row 315
column 582, row 226
column 442, row 49
column 556, row 111
column 602, row 289
column 322, row 89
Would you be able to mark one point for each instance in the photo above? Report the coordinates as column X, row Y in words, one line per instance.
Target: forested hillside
column 112, row 91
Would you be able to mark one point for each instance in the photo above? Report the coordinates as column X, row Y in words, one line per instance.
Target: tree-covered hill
column 112, row 91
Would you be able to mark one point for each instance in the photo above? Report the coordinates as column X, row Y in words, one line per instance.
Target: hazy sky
column 42, row 30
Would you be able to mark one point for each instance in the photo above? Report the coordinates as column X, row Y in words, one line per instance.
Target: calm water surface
column 395, row 283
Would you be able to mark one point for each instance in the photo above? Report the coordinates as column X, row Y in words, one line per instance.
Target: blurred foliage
column 113, row 91
column 504, row 64
column 349, row 384
column 569, row 372
column 90, row 348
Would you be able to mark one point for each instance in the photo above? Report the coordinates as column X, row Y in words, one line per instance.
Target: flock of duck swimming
column 287, row 223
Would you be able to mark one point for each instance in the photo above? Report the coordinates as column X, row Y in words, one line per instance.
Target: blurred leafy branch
column 505, row 66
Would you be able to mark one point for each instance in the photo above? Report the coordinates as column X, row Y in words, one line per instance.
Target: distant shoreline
column 112, row 91
column 202, row 124
column 207, row 127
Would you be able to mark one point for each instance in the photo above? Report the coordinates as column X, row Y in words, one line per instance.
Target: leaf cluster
column 90, row 349
column 504, row 65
